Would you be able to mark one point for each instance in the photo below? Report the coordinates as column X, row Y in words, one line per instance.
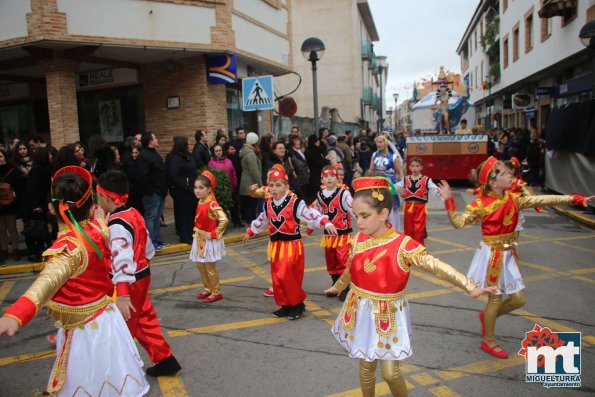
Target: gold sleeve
column 258, row 193
column 433, row 265
column 54, row 275
column 459, row 220
column 345, row 279
column 218, row 213
column 543, row 201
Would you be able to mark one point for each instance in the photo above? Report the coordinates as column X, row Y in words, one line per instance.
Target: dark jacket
column 37, row 190
column 300, row 166
column 201, row 155
column 181, row 172
column 316, row 162
column 15, row 181
column 151, row 177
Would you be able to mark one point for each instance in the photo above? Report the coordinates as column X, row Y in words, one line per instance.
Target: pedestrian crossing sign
column 257, row 93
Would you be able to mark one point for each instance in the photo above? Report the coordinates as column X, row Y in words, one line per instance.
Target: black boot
column 297, row 311
column 335, row 277
column 169, row 366
column 283, row 312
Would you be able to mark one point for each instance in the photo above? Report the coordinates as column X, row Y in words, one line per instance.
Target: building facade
column 351, row 78
column 73, row 68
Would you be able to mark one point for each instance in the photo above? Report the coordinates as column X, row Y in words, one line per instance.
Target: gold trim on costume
column 371, row 242
column 502, row 242
column 69, row 317
column 376, row 296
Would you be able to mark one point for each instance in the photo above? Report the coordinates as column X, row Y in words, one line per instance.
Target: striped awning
column 556, row 8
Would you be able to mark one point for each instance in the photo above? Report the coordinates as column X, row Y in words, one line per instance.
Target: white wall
column 133, row 19
column 264, row 13
column 13, row 18
column 259, row 41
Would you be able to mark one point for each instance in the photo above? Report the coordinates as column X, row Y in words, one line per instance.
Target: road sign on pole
column 257, row 93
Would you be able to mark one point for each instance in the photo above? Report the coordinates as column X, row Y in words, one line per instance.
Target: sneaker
column 157, row 247
column 169, row 366
column 269, row 292
column 283, row 312
column 297, row 311
column 163, row 243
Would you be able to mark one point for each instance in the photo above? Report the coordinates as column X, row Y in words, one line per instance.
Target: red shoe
column 481, row 320
column 492, row 350
column 213, row 298
column 202, row 295
column 51, row 338
column 269, row 292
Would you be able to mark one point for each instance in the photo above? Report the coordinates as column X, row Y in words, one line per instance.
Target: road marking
column 443, row 391
column 21, row 358
column 574, row 247
column 583, row 270
column 5, row 289
column 172, row 386
column 209, row 329
column 314, row 269
column 382, row 389
column 585, row 279
column 251, row 265
column 446, row 242
column 424, row 379
column 481, row 367
column 192, row 286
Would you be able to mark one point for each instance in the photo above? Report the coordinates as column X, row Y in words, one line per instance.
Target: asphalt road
column 235, row 348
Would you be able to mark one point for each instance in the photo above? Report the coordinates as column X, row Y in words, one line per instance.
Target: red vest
column 202, row 221
column 333, row 207
column 94, row 282
column 283, row 222
column 133, row 221
column 499, row 215
column 380, row 268
column 416, row 190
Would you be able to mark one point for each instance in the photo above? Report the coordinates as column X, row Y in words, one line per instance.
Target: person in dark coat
column 102, row 156
column 36, row 198
column 201, row 151
column 298, row 159
column 152, row 183
column 8, row 213
column 315, row 158
column 181, row 173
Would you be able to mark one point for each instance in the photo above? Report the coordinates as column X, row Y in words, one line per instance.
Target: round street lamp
column 587, row 36
column 313, row 50
column 396, row 116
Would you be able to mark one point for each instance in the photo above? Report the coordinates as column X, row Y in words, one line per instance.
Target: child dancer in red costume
column 94, row 349
column 132, row 251
column 208, row 246
column 495, row 262
column 415, row 188
column 334, row 200
column 374, row 324
column 282, row 215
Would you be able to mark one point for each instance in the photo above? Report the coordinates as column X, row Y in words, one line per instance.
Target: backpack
column 7, row 195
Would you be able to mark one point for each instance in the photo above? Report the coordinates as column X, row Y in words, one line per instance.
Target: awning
column 556, row 8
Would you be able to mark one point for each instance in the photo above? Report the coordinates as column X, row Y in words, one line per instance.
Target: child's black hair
column 378, row 205
column 204, row 180
column 416, row 159
column 70, row 187
column 114, row 181
column 516, row 172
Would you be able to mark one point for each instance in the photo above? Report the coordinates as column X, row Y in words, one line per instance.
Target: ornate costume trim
column 281, row 249
column 371, row 242
column 494, row 267
column 335, row 241
column 70, row 317
column 375, row 296
column 501, row 242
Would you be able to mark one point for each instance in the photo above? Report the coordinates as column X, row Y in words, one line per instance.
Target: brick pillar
column 60, row 76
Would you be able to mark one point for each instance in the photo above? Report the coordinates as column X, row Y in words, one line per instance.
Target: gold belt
column 375, row 296
column 501, row 242
column 69, row 317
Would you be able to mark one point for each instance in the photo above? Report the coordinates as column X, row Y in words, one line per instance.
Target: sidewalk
column 232, row 235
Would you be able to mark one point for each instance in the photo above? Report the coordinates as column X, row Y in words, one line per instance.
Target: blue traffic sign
column 257, row 93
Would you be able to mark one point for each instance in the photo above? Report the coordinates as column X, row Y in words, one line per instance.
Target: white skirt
column 510, row 279
column 103, row 360
column 213, row 251
column 519, row 225
column 362, row 340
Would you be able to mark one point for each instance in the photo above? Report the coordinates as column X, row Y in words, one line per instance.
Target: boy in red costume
column 282, row 215
column 414, row 189
column 132, row 251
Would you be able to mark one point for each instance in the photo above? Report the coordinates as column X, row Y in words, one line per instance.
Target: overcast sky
column 417, row 37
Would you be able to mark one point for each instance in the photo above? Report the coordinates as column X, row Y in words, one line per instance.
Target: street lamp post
column 396, row 116
column 587, row 36
column 313, row 50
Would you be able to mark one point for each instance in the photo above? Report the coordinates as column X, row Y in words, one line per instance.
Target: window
column 470, row 80
column 546, row 26
column 470, row 48
column 515, row 43
column 505, row 52
column 529, row 31
column 569, row 15
column 475, row 39
column 504, row 5
column 476, row 81
column 482, row 76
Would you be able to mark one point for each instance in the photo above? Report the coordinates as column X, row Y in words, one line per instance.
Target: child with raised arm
column 282, row 215
column 374, row 324
column 94, row 349
column 131, row 252
column 208, row 246
column 495, row 262
column 414, row 189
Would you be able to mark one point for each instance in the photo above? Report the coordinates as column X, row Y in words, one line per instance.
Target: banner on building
column 222, row 69
column 110, row 120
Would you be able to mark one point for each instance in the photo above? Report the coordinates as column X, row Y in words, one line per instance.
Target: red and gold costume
column 132, row 251
column 415, row 209
column 286, row 250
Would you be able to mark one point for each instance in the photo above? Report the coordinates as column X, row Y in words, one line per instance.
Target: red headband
column 330, row 171
column 278, row 172
column 211, row 178
column 486, row 169
column 83, row 173
column 516, row 162
column 338, row 166
column 118, row 198
column 370, row 183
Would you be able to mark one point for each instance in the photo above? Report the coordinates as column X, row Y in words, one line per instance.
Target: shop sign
column 544, row 92
column 222, row 69
column 106, row 78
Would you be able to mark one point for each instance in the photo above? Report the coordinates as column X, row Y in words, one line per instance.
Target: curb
column 171, row 249
column 575, row 215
